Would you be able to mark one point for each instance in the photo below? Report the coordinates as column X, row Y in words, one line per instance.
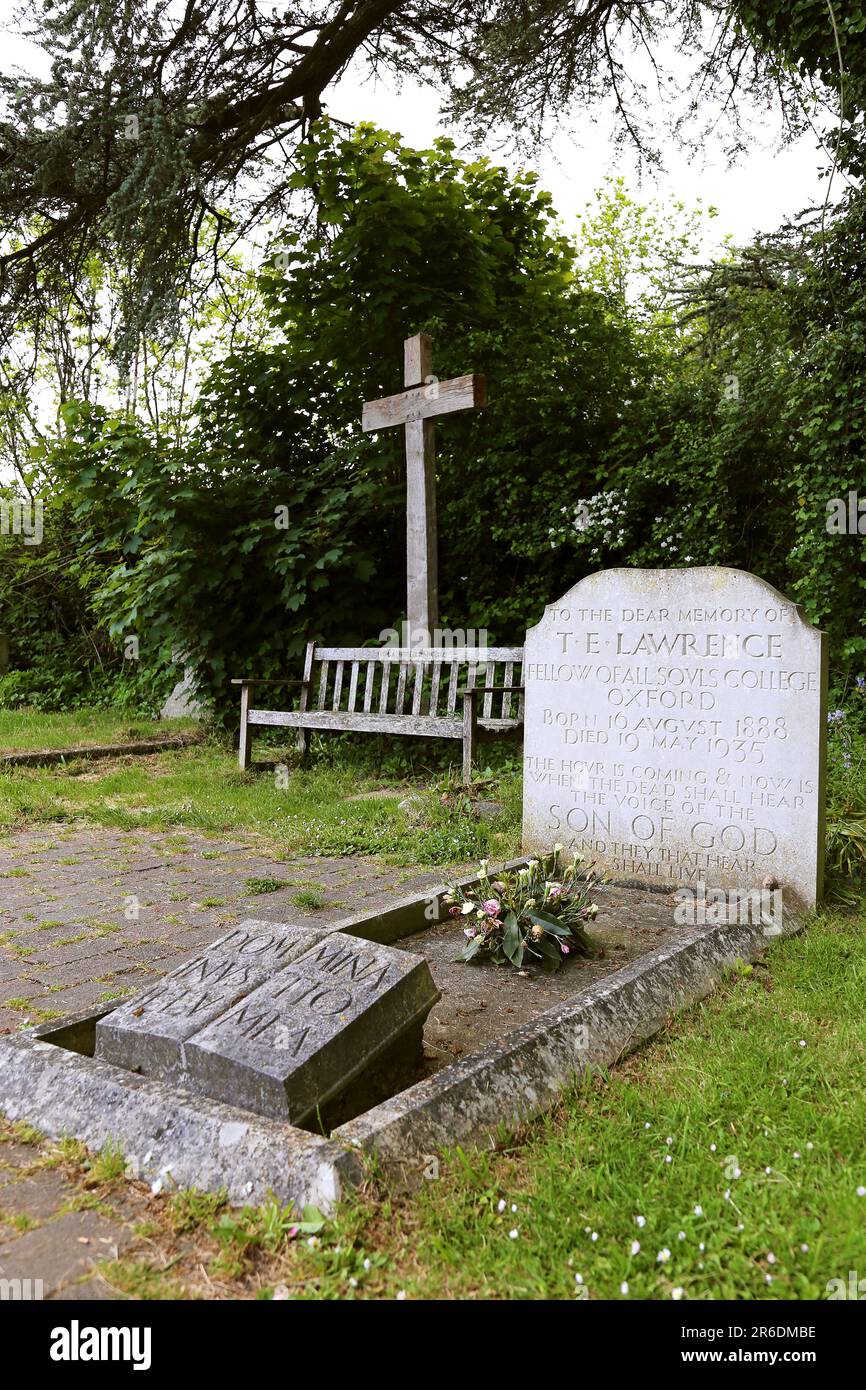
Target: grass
column 107, row 1167
column 309, row 899
column 755, row 1097
column 29, row 730
column 202, row 789
column 22, row 1222
column 257, row 886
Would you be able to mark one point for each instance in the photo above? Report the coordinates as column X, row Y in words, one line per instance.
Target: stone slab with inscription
column 277, row 1019
column 145, row 1034
column 675, row 731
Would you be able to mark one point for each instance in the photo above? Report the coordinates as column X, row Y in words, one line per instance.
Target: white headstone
column 183, row 702
column 675, row 731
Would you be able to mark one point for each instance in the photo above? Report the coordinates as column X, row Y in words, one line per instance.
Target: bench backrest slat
column 383, row 692
column 338, row 685
column 435, row 675
column 452, row 687
column 489, row 679
column 353, row 686
column 368, row 686
column 323, row 683
column 401, row 688
column 506, row 698
column 418, row 687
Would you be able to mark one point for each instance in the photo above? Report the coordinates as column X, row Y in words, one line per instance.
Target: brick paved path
column 87, row 915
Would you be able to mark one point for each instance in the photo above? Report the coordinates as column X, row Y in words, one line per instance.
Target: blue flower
column 835, row 716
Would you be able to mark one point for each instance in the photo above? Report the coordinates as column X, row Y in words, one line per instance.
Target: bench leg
column 244, row 746
column 302, row 743
column 470, row 732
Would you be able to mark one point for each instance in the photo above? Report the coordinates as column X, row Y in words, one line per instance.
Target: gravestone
column 675, row 726
column 279, row 1020
column 183, row 703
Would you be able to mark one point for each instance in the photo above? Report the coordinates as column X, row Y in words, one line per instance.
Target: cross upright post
column 417, row 408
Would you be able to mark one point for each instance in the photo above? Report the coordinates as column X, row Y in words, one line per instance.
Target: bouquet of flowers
column 528, row 915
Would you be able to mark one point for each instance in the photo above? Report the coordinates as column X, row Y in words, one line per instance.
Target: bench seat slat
column 422, row 724
column 438, row 726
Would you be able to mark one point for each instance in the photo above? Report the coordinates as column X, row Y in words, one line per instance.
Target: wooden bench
column 434, row 692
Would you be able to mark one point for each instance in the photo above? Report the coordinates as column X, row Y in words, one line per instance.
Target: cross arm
column 425, row 402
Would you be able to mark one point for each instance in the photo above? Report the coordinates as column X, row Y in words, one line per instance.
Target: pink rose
column 455, row 911
column 566, row 950
column 492, row 907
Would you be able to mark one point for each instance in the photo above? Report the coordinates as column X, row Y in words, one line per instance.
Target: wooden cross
column 417, row 408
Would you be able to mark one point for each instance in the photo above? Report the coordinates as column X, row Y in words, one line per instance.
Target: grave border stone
column 177, row 1138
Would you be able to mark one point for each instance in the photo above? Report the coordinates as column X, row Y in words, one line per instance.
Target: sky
column 764, row 188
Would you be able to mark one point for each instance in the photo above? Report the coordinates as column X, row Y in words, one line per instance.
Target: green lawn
column 757, row 1098
column 29, row 730
column 203, row 788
